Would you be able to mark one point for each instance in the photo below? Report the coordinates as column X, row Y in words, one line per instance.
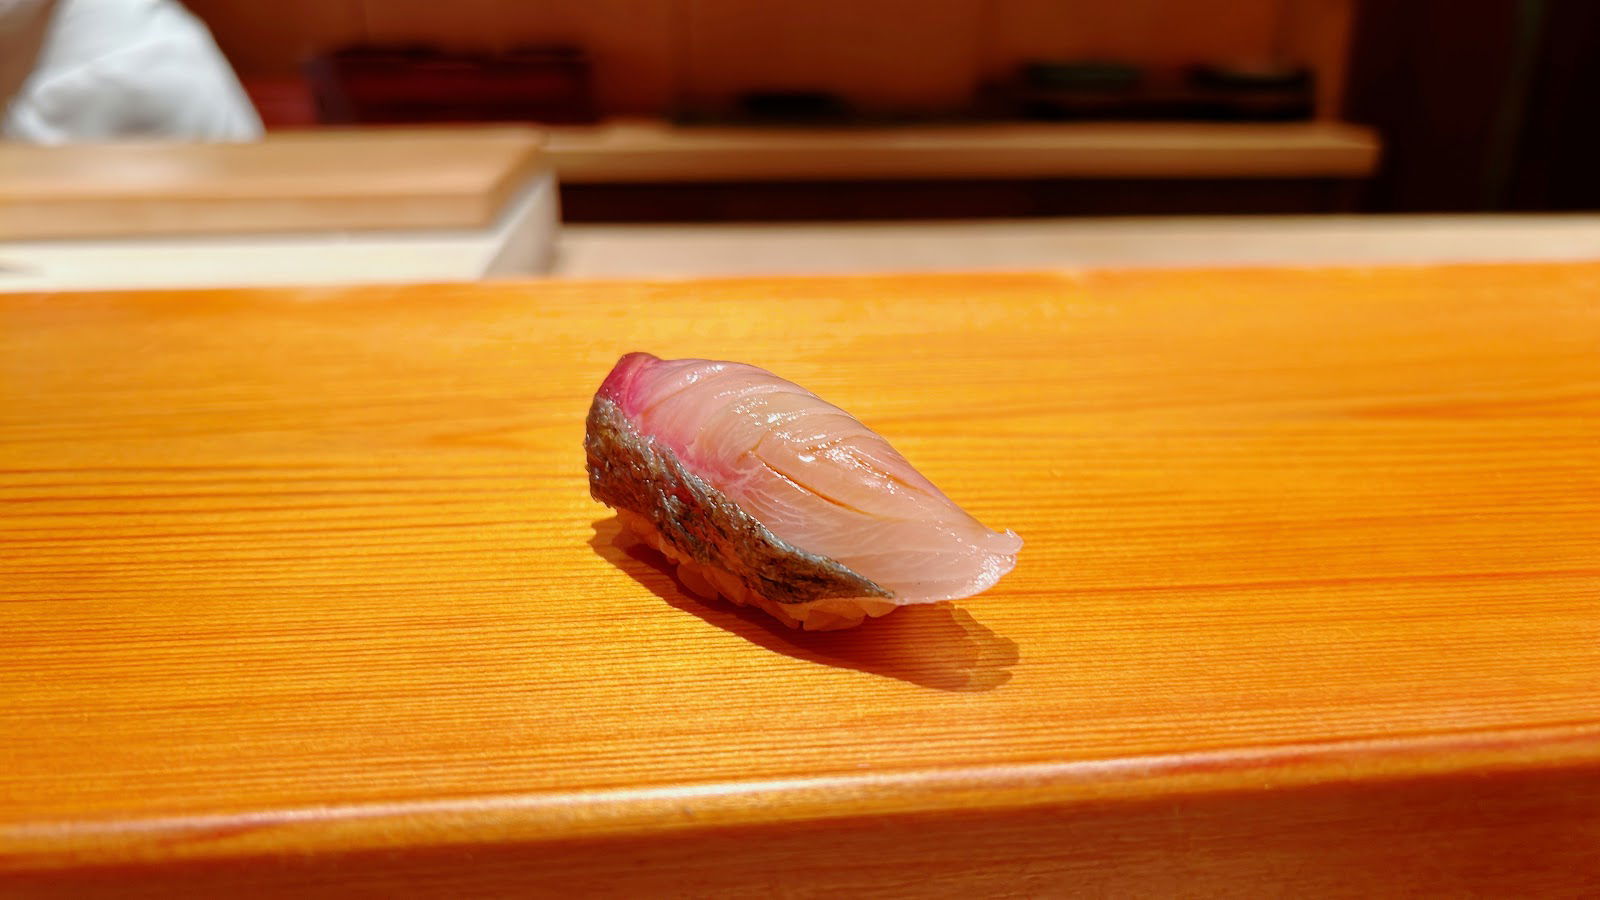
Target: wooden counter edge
column 995, row 791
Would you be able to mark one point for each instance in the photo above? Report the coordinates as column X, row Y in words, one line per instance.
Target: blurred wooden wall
column 907, row 55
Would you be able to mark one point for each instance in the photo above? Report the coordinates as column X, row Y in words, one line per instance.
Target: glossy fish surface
column 769, row 495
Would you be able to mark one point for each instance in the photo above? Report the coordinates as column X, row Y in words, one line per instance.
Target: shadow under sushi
column 933, row 645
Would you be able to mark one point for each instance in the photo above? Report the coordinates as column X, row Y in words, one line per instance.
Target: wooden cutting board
column 312, row 181
column 303, row 590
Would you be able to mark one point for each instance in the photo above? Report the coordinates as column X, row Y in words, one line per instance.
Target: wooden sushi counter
column 302, row 593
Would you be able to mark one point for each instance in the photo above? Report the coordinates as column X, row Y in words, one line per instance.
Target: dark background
column 1484, row 105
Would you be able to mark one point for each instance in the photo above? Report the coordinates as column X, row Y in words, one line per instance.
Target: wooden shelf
column 655, row 151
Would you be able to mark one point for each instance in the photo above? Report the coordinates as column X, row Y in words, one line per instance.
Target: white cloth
column 129, row 69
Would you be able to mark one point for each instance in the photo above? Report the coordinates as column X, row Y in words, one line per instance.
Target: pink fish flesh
column 765, row 493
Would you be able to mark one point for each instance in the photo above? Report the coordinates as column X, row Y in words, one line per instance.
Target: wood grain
column 320, row 181
column 304, row 587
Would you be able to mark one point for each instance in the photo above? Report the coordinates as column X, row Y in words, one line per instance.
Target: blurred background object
column 75, row 70
column 325, row 206
column 413, row 84
column 720, row 111
column 1481, row 104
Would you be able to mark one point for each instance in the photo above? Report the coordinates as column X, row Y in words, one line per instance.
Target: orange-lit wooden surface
column 320, row 181
column 304, row 587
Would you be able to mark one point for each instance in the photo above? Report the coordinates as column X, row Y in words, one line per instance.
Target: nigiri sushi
column 761, row 491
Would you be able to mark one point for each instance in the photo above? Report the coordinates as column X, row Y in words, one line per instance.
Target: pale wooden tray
column 313, row 181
